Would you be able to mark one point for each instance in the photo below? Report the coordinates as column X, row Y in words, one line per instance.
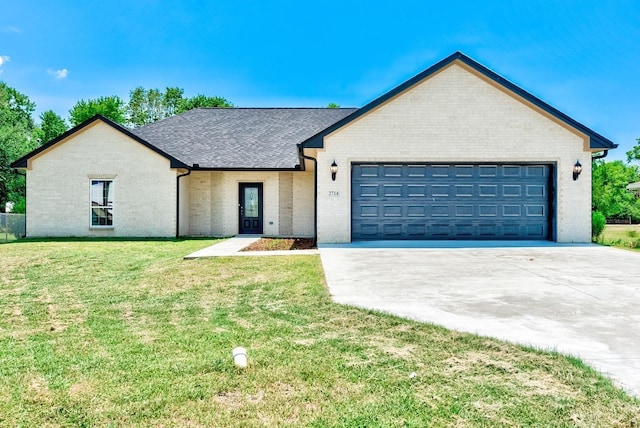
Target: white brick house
column 457, row 152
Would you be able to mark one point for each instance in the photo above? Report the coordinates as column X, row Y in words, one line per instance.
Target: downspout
column 178, row 201
column 315, row 191
column 24, row 174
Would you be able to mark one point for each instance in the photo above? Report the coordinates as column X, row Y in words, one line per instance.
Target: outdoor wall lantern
column 577, row 169
column 334, row 170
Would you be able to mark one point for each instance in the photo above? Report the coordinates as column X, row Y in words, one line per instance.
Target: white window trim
column 97, row 226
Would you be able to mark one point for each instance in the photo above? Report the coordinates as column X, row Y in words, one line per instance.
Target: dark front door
column 250, row 208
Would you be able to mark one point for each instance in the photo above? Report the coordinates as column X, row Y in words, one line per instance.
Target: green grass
column 119, row 333
column 6, row 237
column 622, row 236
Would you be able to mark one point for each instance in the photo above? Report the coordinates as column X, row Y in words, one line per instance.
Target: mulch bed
column 281, row 244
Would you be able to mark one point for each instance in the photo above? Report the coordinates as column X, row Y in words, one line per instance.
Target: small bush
column 632, row 234
column 598, row 223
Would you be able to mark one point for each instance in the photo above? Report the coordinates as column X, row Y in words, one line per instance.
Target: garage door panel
column 368, row 190
column 417, row 190
column 417, row 211
column 511, row 171
column 392, row 190
column 535, row 171
column 487, row 171
column 463, row 190
column 464, row 210
column 392, row 211
column 418, row 171
column 488, row 231
column 534, row 190
column 488, row 210
column 450, row 201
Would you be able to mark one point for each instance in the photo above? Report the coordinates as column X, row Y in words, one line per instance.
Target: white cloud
column 3, row 59
column 15, row 30
column 58, row 74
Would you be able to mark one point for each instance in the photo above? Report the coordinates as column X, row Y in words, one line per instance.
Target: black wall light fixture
column 577, row 169
column 334, row 170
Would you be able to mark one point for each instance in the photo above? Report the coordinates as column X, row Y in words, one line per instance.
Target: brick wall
column 58, row 186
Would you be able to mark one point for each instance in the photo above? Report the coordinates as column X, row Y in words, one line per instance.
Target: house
column 634, row 188
column 456, row 152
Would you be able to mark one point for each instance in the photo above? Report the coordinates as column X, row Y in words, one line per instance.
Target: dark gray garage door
column 440, row 201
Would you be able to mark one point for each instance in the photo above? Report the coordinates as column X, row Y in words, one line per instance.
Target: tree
column 333, row 105
column 51, row 126
column 172, row 99
column 148, row 106
column 111, row 107
column 610, row 195
column 145, row 106
column 200, row 101
column 634, row 153
column 16, row 139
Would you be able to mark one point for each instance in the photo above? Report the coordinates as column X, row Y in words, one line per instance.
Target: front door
column 250, row 208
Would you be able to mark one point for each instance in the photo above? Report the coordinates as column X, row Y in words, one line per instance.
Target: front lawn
column 621, row 235
column 129, row 334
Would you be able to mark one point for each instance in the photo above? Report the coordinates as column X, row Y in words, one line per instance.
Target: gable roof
column 596, row 141
column 240, row 138
column 22, row 162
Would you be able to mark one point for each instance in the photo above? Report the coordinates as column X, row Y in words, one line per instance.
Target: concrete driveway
column 582, row 300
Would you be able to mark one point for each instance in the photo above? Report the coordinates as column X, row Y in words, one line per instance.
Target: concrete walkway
column 233, row 247
column 581, row 300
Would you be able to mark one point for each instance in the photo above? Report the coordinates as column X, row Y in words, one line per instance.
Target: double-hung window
column 101, row 203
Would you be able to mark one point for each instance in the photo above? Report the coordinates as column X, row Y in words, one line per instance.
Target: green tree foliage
column 16, row 139
column 333, row 105
column 634, row 153
column 598, row 223
column 145, row 106
column 111, row 107
column 51, row 126
column 150, row 105
column 200, row 101
column 610, row 195
column 173, row 97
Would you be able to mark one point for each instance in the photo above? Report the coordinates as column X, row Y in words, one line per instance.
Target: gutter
column 315, row 190
column 603, row 155
column 178, row 201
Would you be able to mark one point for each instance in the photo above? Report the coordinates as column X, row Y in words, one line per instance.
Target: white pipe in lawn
column 239, row 356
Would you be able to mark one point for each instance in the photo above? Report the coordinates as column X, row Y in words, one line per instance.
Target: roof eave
column 246, row 169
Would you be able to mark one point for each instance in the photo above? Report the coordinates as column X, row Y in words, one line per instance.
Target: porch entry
column 250, row 208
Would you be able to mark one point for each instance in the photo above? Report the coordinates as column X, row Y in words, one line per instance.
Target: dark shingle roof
column 239, row 138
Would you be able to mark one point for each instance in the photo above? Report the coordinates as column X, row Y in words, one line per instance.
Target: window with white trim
column 101, row 203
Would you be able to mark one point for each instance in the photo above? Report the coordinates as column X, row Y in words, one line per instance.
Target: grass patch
column 7, row 237
column 121, row 333
column 622, row 235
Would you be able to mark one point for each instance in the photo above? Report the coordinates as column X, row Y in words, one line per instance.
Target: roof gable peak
column 23, row 161
column 596, row 141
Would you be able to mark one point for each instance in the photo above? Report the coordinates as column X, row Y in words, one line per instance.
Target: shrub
column 598, row 222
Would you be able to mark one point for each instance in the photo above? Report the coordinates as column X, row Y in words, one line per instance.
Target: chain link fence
column 12, row 226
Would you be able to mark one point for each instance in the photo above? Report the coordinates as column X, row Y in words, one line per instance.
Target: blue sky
column 581, row 56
